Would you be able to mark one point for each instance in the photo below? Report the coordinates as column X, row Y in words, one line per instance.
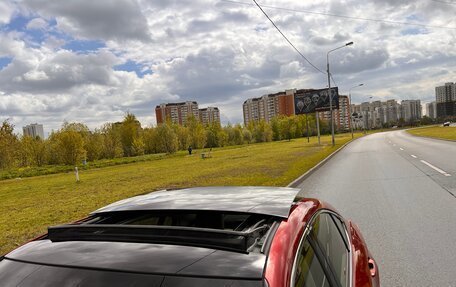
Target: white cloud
column 215, row 52
column 37, row 24
column 6, row 12
column 106, row 19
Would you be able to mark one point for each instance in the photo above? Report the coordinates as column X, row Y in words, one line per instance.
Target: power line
column 347, row 17
column 289, row 42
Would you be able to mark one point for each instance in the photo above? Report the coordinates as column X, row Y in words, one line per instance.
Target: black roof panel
column 142, row 258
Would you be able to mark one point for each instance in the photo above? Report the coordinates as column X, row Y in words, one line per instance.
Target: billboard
column 310, row 101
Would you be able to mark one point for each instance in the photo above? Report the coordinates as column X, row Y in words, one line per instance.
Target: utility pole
column 329, row 89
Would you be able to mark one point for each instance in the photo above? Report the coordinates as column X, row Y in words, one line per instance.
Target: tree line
column 74, row 143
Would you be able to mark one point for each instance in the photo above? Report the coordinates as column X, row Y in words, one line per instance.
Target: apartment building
column 378, row 114
column 446, row 100
column 209, row 115
column 33, row 130
column 431, row 110
column 341, row 115
column 411, row 110
column 269, row 106
column 445, row 93
column 393, row 111
column 179, row 113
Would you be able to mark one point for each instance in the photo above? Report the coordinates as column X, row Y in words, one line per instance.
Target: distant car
column 211, row 236
column 446, row 124
column 394, row 127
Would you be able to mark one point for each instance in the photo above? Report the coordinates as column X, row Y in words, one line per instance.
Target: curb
column 300, row 179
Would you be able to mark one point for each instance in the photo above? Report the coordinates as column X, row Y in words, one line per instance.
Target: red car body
column 292, row 219
column 281, row 257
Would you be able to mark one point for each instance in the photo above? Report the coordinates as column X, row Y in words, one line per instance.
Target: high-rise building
column 446, row 93
column 378, row 114
column 176, row 112
column 209, row 115
column 33, row 130
column 411, row 110
column 431, row 110
column 393, row 111
column 341, row 115
column 268, row 106
column 446, row 100
column 179, row 113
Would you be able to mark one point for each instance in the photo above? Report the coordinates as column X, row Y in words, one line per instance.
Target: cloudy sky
column 91, row 61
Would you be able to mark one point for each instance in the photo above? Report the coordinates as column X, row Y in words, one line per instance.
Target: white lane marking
column 414, row 156
column 401, row 148
column 436, row 168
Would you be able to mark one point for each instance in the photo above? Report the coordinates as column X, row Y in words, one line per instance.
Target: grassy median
column 30, row 205
column 438, row 132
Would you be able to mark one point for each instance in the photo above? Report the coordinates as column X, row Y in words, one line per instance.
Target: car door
column 323, row 257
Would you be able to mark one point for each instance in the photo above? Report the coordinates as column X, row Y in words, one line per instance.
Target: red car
column 211, row 236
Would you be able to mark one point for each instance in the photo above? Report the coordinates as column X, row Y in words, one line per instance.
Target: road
column 401, row 191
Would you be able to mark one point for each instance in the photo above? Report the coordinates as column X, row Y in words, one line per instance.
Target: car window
column 308, row 270
column 328, row 233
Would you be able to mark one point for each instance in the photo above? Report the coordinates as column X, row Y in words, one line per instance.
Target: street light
column 349, row 106
column 329, row 89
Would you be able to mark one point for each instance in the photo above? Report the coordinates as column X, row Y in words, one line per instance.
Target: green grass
column 53, row 169
column 30, row 205
column 439, row 132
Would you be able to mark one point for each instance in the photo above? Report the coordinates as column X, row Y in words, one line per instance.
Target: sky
column 93, row 61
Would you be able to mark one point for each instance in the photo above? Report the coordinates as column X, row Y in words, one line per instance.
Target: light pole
column 329, row 89
column 349, row 106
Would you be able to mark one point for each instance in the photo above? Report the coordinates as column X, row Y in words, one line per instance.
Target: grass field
column 53, row 169
column 438, row 132
column 30, row 205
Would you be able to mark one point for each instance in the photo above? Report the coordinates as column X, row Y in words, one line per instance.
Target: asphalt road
column 401, row 191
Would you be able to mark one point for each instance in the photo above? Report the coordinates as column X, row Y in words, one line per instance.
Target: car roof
column 163, row 259
column 274, row 201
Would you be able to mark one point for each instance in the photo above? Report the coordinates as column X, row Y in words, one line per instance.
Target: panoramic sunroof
column 231, row 231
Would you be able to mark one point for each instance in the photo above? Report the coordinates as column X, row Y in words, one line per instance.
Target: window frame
column 319, row 253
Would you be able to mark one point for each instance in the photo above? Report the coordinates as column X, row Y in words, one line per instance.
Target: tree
column 324, row 126
column 93, row 145
column 183, row 135
column 138, row 146
column 247, row 136
column 262, row 131
column 166, row 138
column 275, row 126
column 68, row 145
column 287, row 127
column 197, row 133
column 214, row 133
column 23, row 151
column 112, row 145
column 32, row 151
column 425, row 120
column 130, row 129
column 8, row 145
column 222, row 138
column 150, row 140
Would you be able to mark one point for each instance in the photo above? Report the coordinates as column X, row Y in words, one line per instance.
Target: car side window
column 308, row 269
column 330, row 237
